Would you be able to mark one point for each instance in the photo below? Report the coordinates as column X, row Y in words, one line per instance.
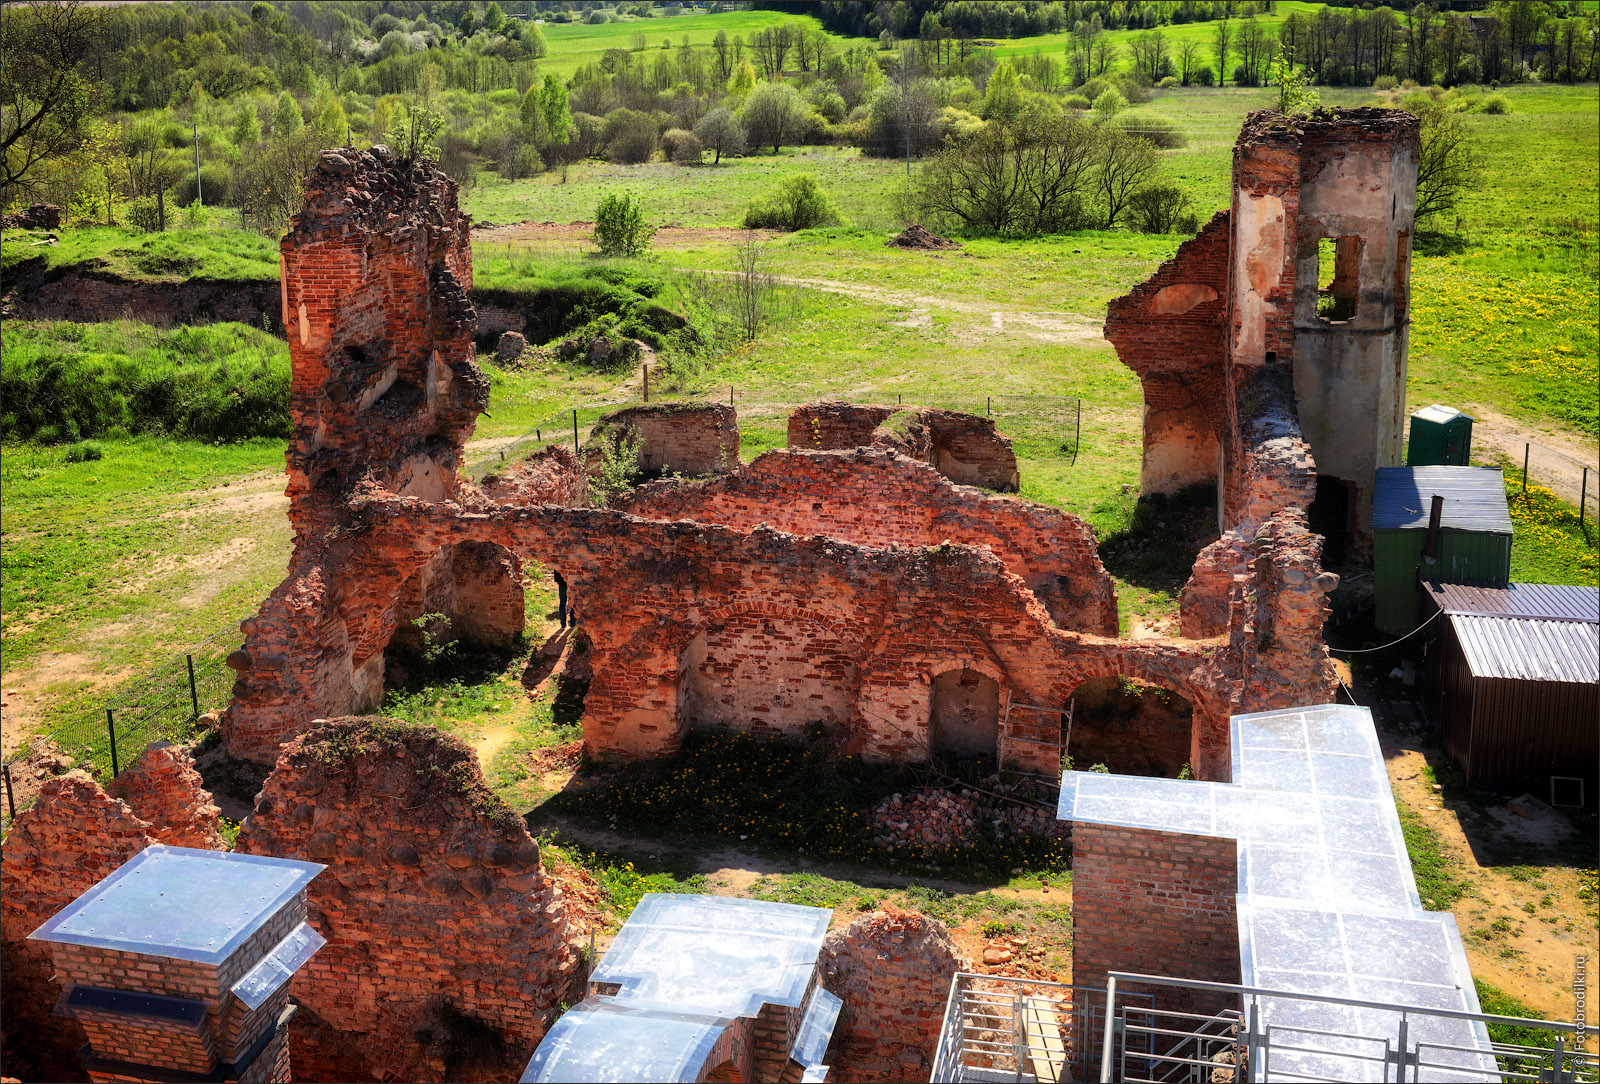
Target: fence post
column 1077, row 431
column 730, row 394
column 988, row 406
column 1583, row 499
column 646, row 368
column 11, row 794
column 194, row 694
column 574, row 431
column 111, row 729
column 1525, row 447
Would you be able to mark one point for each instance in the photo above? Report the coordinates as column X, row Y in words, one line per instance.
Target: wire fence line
column 1039, row 426
column 1570, row 479
column 162, row 704
column 165, row 703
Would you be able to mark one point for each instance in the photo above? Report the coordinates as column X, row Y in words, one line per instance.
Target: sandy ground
column 1530, row 956
column 1555, row 460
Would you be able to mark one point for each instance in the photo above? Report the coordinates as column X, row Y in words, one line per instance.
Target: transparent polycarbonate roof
column 278, row 966
column 1327, row 902
column 686, row 968
column 603, row 1039
column 180, row 902
column 714, row 954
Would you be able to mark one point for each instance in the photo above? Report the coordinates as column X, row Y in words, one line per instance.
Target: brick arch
column 1178, row 673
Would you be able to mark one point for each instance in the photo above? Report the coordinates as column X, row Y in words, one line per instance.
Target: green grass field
column 573, row 45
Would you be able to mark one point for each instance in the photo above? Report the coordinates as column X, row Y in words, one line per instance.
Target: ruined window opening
column 964, row 715
column 1131, row 727
column 1338, row 278
column 1329, row 516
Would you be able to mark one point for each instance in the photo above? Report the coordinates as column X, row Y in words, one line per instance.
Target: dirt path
column 1555, row 460
column 1527, row 953
column 1056, row 327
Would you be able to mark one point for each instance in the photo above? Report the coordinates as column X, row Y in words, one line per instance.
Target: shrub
column 86, row 452
column 1203, row 76
column 1168, row 82
column 681, row 146
column 1110, row 104
column 798, row 203
column 619, row 227
column 629, row 136
column 142, row 214
column 1385, row 82
column 1075, row 101
column 1495, row 104
column 1133, row 91
column 1159, row 208
column 721, row 131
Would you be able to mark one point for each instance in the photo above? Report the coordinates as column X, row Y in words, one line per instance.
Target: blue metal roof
column 1474, row 498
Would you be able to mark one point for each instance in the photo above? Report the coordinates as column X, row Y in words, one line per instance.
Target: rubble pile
column 936, row 818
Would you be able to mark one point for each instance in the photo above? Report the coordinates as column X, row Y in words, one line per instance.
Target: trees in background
column 50, row 87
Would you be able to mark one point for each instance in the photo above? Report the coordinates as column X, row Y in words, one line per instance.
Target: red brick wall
column 73, row 836
column 1159, row 903
column 434, row 896
column 892, row 970
column 1169, row 330
column 877, row 498
column 965, row 448
column 682, row 438
column 166, row 790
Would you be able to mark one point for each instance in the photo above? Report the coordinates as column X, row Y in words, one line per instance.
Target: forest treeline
column 105, row 109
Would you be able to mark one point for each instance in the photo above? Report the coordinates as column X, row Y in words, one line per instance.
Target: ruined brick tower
column 1242, row 298
column 375, row 273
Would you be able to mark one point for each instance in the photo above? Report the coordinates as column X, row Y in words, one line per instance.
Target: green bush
column 798, row 203
column 1168, row 82
column 1110, row 104
column 1495, row 104
column 1075, row 101
column 1385, row 82
column 67, row 382
column 143, row 214
column 619, row 226
column 86, row 452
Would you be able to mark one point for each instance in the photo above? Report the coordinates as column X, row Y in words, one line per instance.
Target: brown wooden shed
column 1517, row 687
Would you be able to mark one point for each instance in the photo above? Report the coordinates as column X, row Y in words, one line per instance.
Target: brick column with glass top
column 177, row 965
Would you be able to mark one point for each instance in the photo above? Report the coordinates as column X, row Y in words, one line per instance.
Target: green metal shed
column 1441, row 436
column 1474, row 536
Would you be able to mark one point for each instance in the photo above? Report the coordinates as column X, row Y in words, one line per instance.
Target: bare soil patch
column 1555, row 459
column 916, row 237
column 1522, row 922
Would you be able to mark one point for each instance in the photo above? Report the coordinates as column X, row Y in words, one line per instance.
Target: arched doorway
column 1131, row 727
column 964, row 715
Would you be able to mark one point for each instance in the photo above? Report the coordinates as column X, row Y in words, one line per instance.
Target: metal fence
column 162, row 704
column 1040, row 427
column 1573, row 481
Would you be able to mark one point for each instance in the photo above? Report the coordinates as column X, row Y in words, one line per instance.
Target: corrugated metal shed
column 1517, row 683
column 1474, row 498
column 1553, row 602
column 1529, row 649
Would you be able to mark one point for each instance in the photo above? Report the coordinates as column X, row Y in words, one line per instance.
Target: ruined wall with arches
column 859, row 591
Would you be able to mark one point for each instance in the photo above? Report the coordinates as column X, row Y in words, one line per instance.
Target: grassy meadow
column 573, row 45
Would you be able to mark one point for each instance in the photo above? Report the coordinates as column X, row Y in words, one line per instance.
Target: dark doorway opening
column 1329, row 516
column 964, row 715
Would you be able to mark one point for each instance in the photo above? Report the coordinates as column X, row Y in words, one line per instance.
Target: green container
column 1441, row 436
column 1474, row 537
column 1476, row 557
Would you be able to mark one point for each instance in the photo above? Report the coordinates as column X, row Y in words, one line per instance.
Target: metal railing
column 1381, row 1041
column 998, row 1028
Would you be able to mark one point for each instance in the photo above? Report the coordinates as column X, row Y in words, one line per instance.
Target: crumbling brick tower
column 1242, row 298
column 375, row 273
